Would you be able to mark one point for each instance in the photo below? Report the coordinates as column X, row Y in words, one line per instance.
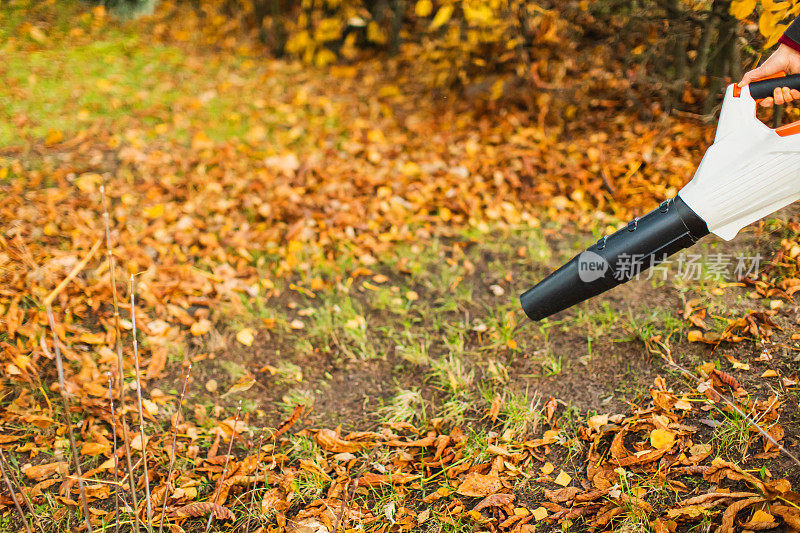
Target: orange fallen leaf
column 477, row 485
column 201, row 327
column 330, row 441
column 375, row 480
column 40, row 472
column 94, row 448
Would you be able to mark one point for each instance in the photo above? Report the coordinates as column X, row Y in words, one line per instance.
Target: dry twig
column 225, row 466
column 172, row 449
column 120, row 367
column 14, row 496
column 68, row 418
column 149, row 503
column 25, row 497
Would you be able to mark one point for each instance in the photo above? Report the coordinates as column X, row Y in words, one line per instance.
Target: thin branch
column 120, row 367
column 116, row 465
column 68, row 417
column 225, row 466
column 74, row 272
column 7, row 470
column 149, row 503
column 14, row 497
column 255, row 480
column 172, row 449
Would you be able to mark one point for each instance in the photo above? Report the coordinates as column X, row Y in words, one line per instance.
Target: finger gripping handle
column 765, row 88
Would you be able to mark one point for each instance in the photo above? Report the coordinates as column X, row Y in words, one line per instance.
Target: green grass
column 407, row 405
column 69, row 88
column 732, row 436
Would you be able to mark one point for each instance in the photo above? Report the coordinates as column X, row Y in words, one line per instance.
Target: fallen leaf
column 201, row 327
column 495, row 500
column 94, row 448
column 245, row 336
column 375, row 480
column 662, row 439
column 197, row 509
column 563, row 479
column 244, row 383
column 40, row 472
column 330, row 441
column 478, row 485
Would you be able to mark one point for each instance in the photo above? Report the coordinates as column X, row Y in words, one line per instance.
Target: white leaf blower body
column 749, row 172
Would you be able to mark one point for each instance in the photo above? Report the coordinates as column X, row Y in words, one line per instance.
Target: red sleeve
column 791, row 37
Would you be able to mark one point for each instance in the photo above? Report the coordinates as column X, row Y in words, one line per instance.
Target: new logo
column 591, row 266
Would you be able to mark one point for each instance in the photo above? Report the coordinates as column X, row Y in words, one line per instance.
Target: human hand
column 784, row 59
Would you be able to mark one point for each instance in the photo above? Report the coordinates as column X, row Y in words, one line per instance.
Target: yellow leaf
column 53, row 137
column 324, row 57
column 563, row 479
column 767, row 23
column 769, row 374
column 37, row 35
column 155, row 211
column 662, row 438
column 540, row 513
column 245, row 336
column 480, row 14
column 92, row 338
column 50, row 229
column 497, row 89
column 548, row 468
column 776, row 34
column 200, row 327
column 201, row 141
column 694, row 336
column 442, row 16
column 772, row 5
column 742, row 8
column 423, row 8
column 762, row 516
column 243, row 384
column 375, row 33
column 89, row 182
column 150, row 407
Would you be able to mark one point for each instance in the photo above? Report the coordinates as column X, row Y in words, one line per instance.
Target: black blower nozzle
column 617, row 258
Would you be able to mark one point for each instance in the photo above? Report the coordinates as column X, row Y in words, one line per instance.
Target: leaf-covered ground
column 338, row 252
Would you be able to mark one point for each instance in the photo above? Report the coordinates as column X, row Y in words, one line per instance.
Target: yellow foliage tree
column 773, row 16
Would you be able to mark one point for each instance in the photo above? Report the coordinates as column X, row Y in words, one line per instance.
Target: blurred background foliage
column 684, row 51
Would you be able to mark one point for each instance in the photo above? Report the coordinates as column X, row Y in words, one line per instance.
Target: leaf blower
column 749, row 172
